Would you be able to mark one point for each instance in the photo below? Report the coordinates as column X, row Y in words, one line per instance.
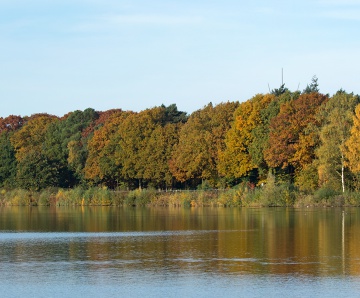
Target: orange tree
column 292, row 140
column 101, row 166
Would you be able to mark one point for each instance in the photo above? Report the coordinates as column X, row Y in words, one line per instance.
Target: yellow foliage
column 235, row 160
column 352, row 145
column 31, row 136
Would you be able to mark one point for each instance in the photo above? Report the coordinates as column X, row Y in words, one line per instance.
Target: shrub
column 118, row 197
column 47, row 196
column 69, row 197
column 18, row 197
column 352, row 198
column 231, row 198
column 324, row 194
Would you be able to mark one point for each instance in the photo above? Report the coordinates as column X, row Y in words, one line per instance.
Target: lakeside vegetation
column 269, row 196
column 285, row 148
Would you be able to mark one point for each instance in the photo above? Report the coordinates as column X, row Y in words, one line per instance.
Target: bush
column 352, row 198
column 140, row 197
column 324, row 194
column 118, row 197
column 231, row 198
column 182, row 198
column 18, row 197
column 69, row 197
column 47, row 197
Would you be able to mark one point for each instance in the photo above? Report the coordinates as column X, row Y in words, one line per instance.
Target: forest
column 301, row 141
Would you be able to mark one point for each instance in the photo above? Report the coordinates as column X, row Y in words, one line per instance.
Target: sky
column 60, row 56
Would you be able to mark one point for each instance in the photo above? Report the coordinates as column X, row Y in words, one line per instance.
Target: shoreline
column 257, row 198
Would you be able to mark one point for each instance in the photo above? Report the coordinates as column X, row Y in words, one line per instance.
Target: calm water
column 198, row 252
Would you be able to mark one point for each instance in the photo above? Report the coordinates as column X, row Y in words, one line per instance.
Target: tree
column 34, row 170
column 158, row 152
column 352, row 149
column 171, row 114
column 31, row 136
column 291, row 141
column 11, row 123
column 134, row 148
column 336, row 118
column 100, row 119
column 65, row 146
column 102, row 165
column 7, row 161
column 202, row 137
column 134, row 134
column 241, row 155
column 278, row 92
column 313, row 87
column 261, row 132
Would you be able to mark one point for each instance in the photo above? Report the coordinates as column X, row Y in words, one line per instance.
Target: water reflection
column 107, row 245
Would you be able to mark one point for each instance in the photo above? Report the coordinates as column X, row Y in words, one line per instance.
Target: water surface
column 176, row 252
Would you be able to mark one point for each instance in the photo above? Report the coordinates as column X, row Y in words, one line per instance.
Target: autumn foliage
column 306, row 139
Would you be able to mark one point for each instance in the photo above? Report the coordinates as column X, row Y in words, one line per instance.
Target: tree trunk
column 342, row 173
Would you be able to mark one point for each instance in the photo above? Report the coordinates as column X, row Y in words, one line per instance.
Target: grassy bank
column 282, row 195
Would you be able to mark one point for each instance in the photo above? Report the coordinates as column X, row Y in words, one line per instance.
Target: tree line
column 306, row 139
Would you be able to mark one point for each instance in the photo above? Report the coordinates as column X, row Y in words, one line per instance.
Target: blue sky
column 60, row 56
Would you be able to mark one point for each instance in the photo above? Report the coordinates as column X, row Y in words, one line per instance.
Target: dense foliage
column 304, row 140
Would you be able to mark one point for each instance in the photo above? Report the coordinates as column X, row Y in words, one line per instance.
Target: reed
column 270, row 195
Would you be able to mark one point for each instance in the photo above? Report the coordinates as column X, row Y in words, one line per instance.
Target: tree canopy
column 306, row 138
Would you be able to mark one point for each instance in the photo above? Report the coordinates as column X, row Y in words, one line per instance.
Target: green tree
column 313, row 87
column 336, row 118
column 171, row 114
column 34, row 170
column 7, row 161
column 278, row 92
column 65, row 146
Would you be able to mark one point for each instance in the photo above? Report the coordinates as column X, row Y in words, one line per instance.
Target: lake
column 179, row 252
